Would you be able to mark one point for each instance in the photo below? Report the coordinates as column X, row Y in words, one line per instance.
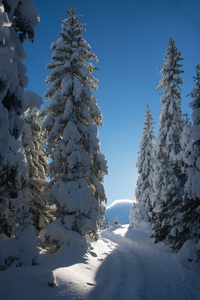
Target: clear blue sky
column 129, row 37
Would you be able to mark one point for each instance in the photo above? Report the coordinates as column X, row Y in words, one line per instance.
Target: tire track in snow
column 120, row 274
column 138, row 270
column 162, row 272
column 165, row 275
column 135, row 283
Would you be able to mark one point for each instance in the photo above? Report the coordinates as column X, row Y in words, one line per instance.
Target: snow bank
column 189, row 251
column 19, row 251
column 56, row 233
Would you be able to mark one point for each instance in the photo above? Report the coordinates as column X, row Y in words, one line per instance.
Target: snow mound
column 47, row 277
column 189, row 251
column 120, row 209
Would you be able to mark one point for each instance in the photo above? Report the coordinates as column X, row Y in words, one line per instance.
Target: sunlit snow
column 123, row 264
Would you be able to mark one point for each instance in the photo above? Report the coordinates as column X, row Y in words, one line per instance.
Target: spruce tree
column 143, row 192
column 18, row 18
column 23, row 16
column 185, row 142
column 167, row 175
column 71, row 125
column 115, row 222
column 193, row 171
column 189, row 223
column 104, row 223
column 32, row 141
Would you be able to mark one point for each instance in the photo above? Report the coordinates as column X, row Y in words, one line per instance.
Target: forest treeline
column 168, row 184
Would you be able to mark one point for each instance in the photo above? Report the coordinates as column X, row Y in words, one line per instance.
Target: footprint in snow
column 93, row 254
column 90, row 284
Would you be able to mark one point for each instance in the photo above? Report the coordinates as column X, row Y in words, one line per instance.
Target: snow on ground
column 123, row 264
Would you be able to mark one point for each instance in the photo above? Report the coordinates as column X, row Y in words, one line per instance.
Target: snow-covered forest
column 52, row 168
column 168, row 185
column 52, row 197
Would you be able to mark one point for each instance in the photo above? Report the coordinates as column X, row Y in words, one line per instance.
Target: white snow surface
column 123, row 264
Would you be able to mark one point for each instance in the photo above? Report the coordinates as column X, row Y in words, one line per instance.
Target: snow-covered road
column 123, row 264
column 120, row 275
column 138, row 269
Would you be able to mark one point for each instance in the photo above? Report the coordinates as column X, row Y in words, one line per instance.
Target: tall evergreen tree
column 171, row 123
column 143, row 191
column 71, row 125
column 185, row 142
column 189, row 224
column 193, row 183
column 12, row 83
column 17, row 17
column 32, row 141
column 167, row 178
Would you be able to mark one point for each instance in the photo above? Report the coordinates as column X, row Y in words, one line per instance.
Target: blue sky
column 129, row 38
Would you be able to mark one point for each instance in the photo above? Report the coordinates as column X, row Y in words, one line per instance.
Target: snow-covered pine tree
column 115, row 222
column 167, row 176
column 15, row 17
column 24, row 17
column 171, row 123
column 143, row 192
column 185, row 142
column 189, row 224
column 32, row 141
column 104, row 223
column 78, row 167
column 193, row 183
column 12, row 106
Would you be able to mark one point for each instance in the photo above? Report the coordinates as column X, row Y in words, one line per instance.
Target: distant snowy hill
column 119, row 209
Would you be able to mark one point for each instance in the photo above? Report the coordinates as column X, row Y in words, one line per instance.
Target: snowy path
column 114, row 278
column 137, row 269
column 123, row 264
